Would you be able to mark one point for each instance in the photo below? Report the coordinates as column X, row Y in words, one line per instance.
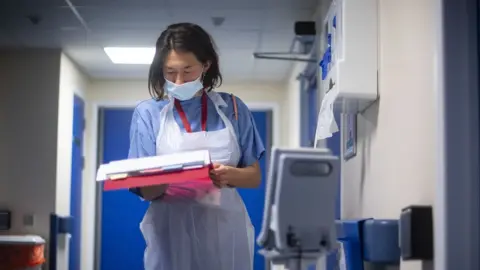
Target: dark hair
column 184, row 37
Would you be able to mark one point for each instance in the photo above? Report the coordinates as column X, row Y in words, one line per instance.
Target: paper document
column 150, row 165
column 326, row 124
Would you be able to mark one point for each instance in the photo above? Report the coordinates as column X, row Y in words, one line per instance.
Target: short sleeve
column 251, row 143
column 142, row 139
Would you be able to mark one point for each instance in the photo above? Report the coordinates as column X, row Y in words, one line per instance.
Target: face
column 182, row 67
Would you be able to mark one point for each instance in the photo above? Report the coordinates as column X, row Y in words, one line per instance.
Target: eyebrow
column 186, row 67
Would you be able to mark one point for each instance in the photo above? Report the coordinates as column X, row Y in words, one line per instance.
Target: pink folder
column 186, row 169
column 178, row 177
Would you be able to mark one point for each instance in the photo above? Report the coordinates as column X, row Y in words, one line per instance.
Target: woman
column 187, row 114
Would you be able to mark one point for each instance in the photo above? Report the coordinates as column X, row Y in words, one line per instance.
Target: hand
column 220, row 174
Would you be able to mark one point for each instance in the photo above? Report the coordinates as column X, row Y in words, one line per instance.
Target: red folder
column 200, row 174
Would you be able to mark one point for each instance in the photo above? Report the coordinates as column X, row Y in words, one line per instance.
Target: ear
column 206, row 66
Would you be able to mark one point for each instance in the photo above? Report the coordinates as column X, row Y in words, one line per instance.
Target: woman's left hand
column 221, row 174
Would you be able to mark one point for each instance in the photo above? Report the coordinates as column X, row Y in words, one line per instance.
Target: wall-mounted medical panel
column 349, row 55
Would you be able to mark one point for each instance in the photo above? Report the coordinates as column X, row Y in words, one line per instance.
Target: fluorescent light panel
column 131, row 56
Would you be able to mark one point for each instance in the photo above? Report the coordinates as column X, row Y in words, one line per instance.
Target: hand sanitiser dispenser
column 348, row 62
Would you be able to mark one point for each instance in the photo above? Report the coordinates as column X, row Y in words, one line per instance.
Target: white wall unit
column 349, row 45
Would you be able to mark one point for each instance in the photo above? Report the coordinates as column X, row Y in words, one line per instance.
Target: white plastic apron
column 192, row 235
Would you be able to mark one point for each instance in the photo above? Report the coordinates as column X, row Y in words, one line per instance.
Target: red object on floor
column 201, row 174
column 21, row 256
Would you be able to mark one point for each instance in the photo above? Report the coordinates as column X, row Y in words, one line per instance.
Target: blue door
column 122, row 244
column 255, row 198
column 76, row 182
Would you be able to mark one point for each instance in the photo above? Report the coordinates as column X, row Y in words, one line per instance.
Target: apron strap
column 235, row 110
column 183, row 116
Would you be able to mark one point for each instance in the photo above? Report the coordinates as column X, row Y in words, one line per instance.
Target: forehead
column 176, row 59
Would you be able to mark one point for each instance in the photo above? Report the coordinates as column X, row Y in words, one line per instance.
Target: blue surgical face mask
column 183, row 91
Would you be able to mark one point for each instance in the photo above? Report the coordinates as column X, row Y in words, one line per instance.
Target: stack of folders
column 157, row 170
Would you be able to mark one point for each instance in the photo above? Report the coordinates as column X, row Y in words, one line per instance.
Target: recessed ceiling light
column 130, row 55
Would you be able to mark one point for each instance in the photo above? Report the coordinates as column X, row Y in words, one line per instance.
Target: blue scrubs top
column 145, row 126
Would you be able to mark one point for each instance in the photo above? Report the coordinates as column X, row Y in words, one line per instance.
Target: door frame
column 457, row 220
column 96, row 147
column 79, row 100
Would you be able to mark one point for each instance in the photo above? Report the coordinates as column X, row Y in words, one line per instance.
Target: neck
column 200, row 92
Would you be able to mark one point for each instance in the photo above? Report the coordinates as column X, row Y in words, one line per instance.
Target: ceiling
column 249, row 26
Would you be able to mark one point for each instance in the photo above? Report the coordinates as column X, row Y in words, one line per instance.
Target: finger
column 220, row 170
column 219, row 183
column 217, row 179
column 216, row 165
column 213, row 177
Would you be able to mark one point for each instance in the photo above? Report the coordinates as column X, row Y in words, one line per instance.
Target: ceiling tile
column 50, row 18
column 293, row 4
column 266, row 25
column 96, row 64
column 124, row 17
column 124, row 37
column 120, row 3
column 87, row 54
column 29, row 5
column 52, row 38
column 89, row 59
column 218, row 4
column 284, row 19
column 243, row 39
column 240, row 19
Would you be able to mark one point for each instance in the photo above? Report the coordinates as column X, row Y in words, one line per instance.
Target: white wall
column 397, row 134
column 395, row 162
column 127, row 94
column 72, row 81
column 37, row 87
column 29, row 86
column 293, row 96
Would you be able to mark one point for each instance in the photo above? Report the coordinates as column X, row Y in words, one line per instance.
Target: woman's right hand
column 151, row 193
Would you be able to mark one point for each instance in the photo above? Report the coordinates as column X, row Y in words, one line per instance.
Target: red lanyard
column 183, row 117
